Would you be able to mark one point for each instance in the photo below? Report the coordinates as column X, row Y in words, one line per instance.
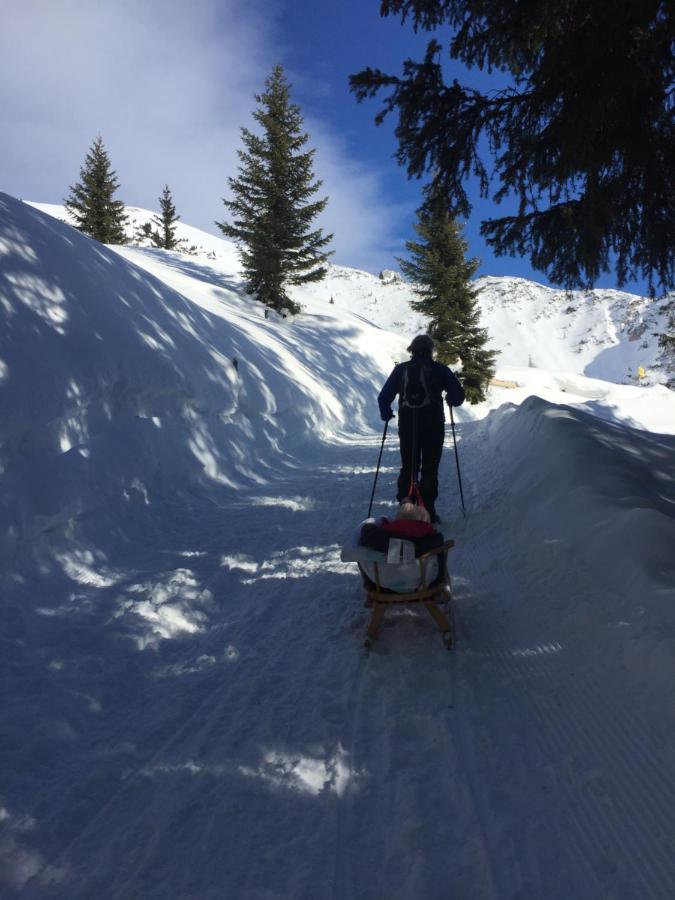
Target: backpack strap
column 424, row 378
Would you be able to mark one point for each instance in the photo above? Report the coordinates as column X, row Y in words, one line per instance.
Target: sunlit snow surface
column 187, row 709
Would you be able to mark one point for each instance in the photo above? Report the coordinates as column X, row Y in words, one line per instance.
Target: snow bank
column 195, row 242
column 605, row 494
column 651, row 408
column 113, row 384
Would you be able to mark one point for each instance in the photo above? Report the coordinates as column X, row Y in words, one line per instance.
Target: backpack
column 415, row 388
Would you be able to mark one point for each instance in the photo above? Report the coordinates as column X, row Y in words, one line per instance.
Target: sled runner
column 430, row 592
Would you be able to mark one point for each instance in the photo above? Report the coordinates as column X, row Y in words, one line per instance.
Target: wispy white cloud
column 363, row 220
column 168, row 85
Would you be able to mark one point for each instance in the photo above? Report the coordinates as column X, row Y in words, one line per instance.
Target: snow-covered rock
column 388, row 276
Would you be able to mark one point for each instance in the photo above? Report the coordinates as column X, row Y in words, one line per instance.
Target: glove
column 387, row 416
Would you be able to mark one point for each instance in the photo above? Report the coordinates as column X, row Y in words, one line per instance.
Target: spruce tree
column 271, row 212
column 440, row 274
column 91, row 200
column 581, row 134
column 667, row 342
column 164, row 236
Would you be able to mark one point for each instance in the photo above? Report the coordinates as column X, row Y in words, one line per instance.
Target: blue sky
column 168, row 84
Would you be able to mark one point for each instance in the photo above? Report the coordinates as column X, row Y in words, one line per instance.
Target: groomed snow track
column 266, row 755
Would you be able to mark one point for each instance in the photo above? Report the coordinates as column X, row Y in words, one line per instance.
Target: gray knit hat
column 422, row 344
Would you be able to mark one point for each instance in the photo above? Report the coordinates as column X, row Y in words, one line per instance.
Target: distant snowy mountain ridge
column 611, row 334
column 608, row 334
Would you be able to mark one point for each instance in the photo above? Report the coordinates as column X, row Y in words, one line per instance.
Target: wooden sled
column 428, row 594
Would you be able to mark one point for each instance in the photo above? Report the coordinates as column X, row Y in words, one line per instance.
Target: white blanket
column 399, row 577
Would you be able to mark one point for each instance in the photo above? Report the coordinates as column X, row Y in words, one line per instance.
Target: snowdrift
column 112, row 384
column 606, row 489
column 642, row 407
column 600, row 497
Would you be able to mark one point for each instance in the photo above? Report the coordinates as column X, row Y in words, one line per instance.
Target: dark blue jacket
column 442, row 379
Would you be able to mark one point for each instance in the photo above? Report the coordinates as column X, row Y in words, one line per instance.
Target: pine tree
column 164, row 235
column 271, row 210
column 667, row 343
column 441, row 273
column 91, row 199
column 582, row 136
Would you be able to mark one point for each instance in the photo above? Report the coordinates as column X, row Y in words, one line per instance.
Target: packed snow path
column 187, row 708
column 205, row 723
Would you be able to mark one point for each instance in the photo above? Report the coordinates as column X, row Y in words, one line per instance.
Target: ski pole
column 459, row 474
column 377, row 471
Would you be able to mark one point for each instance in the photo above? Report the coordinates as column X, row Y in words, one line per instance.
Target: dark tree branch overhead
column 584, row 138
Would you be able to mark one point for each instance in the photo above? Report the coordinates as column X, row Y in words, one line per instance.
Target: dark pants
column 421, row 439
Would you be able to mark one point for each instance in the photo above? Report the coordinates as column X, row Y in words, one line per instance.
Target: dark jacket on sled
column 377, row 537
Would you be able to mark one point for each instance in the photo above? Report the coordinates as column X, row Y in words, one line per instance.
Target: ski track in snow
column 515, row 766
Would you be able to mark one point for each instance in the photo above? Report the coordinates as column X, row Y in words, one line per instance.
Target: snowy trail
column 516, row 766
column 187, row 709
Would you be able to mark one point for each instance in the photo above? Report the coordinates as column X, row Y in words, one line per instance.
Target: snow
column 605, row 334
column 187, row 707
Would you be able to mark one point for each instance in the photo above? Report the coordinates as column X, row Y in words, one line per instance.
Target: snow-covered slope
column 187, row 711
column 194, row 240
column 111, row 379
column 606, row 334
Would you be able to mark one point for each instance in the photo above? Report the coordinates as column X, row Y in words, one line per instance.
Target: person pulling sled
column 419, row 384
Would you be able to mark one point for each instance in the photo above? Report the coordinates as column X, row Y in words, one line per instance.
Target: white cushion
column 402, row 578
